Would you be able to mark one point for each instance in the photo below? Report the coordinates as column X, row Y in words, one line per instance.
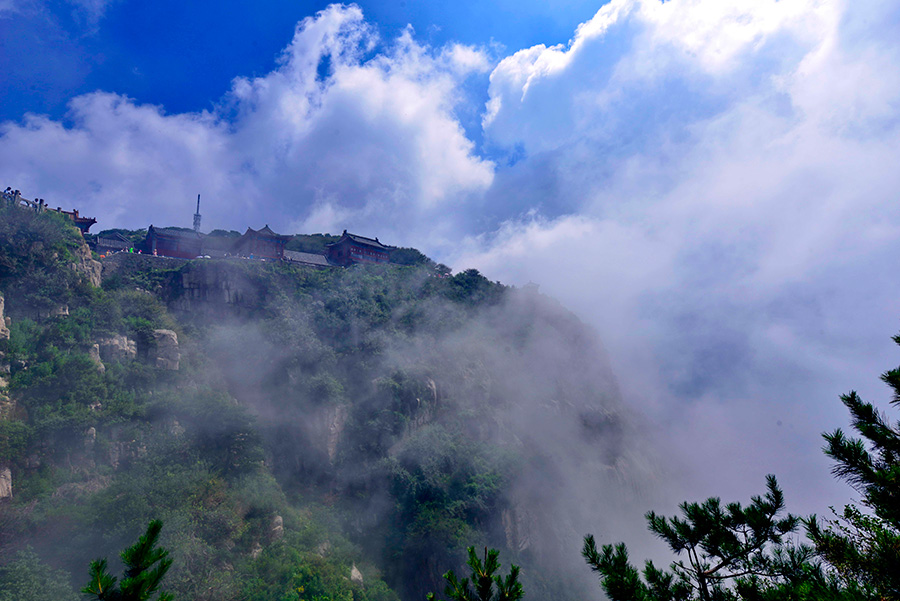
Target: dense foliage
column 145, row 567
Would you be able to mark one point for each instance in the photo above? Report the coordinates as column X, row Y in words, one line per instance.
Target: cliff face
column 215, row 287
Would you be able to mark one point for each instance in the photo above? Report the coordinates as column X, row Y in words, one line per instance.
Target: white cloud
column 92, row 10
column 716, row 184
column 369, row 140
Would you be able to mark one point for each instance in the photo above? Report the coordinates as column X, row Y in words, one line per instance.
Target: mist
column 519, row 374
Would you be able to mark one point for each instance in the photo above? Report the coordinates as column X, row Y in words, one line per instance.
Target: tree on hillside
column 27, row 578
column 732, row 552
column 145, row 567
column 865, row 546
column 484, row 580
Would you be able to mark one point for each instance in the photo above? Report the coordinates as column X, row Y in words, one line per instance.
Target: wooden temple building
column 173, row 242
column 82, row 223
column 352, row 248
column 261, row 244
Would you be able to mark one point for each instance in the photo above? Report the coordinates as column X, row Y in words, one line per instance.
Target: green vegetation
column 38, row 250
column 220, row 240
column 864, row 546
column 731, row 552
column 27, row 578
column 145, row 567
column 311, row 243
column 485, row 581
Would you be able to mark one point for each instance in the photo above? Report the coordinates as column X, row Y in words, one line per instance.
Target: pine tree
column 141, row 579
column 864, row 546
column 731, row 552
column 484, row 580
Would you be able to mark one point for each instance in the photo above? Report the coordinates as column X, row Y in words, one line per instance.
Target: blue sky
column 711, row 184
column 183, row 55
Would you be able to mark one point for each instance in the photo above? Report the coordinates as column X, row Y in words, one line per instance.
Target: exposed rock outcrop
column 166, row 352
column 94, row 352
column 277, row 530
column 4, row 321
column 90, row 438
column 355, row 575
column 86, row 265
column 4, row 364
column 117, row 348
column 57, row 311
column 217, row 287
column 120, row 451
column 4, row 374
column 6, row 491
column 335, row 428
column 517, row 525
column 78, row 489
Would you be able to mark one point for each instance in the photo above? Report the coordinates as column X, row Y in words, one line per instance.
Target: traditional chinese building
column 357, row 249
column 111, row 243
column 261, row 244
column 304, row 258
column 173, row 242
column 15, row 198
column 82, row 223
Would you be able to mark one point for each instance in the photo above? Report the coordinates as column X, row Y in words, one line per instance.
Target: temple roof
column 309, row 258
column 174, row 232
column 373, row 242
column 265, row 232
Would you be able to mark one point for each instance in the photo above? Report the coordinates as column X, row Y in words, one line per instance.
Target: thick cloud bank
column 715, row 185
column 711, row 183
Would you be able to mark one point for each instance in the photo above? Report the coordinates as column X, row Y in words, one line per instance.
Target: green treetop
column 145, row 567
column 731, row 552
column 484, row 581
column 864, row 546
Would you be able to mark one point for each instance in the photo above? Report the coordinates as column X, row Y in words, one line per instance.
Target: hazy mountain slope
column 380, row 416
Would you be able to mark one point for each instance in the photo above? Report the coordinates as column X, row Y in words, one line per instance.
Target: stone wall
column 217, row 287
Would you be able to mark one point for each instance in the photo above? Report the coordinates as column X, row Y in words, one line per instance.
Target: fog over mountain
column 711, row 185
